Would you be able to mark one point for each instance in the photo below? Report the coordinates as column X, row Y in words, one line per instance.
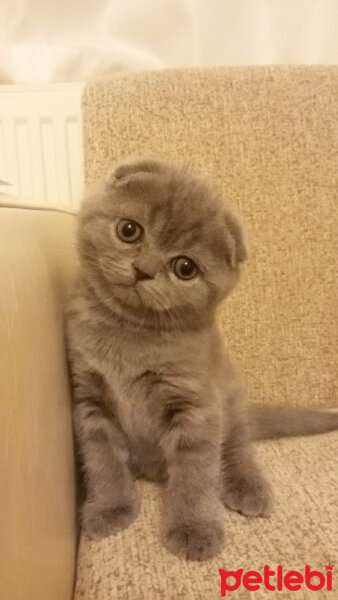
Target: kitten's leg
column 111, row 499
column 243, row 486
column 194, row 521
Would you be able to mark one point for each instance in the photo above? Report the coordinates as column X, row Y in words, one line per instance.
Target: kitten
column 155, row 395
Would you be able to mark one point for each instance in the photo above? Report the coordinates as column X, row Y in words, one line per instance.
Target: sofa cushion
column 37, row 491
column 302, row 531
column 267, row 136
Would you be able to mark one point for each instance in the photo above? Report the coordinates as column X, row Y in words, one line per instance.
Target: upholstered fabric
column 37, row 498
column 268, row 138
column 303, row 530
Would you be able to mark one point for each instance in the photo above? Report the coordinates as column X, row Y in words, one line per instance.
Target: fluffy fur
column 155, row 395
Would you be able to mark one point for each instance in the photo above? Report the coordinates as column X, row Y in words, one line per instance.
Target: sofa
column 267, row 137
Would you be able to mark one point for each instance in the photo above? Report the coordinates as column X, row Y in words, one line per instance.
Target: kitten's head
column 157, row 244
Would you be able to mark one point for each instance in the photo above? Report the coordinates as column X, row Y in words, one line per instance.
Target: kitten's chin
column 128, row 296
column 152, row 299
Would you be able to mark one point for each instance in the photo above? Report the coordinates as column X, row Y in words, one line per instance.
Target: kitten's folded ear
column 236, row 241
column 138, row 167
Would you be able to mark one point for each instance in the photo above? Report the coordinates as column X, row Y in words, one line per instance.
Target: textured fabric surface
column 303, row 530
column 268, row 139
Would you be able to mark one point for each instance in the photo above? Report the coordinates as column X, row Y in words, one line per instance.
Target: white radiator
column 41, row 143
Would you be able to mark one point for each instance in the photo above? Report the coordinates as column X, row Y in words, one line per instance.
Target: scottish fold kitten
column 154, row 393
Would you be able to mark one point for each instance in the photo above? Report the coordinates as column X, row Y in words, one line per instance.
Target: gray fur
column 155, row 395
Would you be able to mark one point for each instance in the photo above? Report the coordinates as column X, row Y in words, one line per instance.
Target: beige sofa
column 268, row 137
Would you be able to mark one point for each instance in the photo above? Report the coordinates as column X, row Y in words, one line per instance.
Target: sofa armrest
column 38, row 538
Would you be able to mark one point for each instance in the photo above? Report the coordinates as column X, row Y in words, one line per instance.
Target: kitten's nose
column 141, row 275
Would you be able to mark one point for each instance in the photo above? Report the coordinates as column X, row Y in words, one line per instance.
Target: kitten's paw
column 195, row 541
column 250, row 495
column 101, row 521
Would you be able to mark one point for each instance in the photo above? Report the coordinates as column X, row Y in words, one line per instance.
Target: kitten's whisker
column 145, row 313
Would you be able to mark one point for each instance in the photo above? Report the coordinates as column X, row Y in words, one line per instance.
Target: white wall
column 45, row 41
column 73, row 40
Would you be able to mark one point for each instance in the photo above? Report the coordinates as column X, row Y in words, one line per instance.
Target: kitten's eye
column 128, row 231
column 184, row 267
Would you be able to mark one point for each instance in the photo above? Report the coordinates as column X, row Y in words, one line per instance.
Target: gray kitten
column 155, row 395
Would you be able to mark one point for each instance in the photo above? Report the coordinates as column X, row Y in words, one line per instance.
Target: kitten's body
column 147, row 369
column 155, row 395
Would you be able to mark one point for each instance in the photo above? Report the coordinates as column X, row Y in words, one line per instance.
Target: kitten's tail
column 268, row 422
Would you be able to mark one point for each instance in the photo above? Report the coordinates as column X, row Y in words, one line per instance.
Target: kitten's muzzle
column 142, row 275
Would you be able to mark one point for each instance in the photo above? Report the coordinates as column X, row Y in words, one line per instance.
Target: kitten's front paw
column 196, row 541
column 250, row 495
column 101, row 521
